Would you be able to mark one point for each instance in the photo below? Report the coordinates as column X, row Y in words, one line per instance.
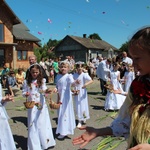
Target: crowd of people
column 126, row 87
column 69, row 86
column 133, row 121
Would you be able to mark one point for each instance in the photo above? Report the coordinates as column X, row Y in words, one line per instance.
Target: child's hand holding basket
column 28, row 104
column 54, row 105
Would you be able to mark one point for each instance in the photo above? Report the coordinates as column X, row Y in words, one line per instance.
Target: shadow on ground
column 100, row 98
column 20, row 119
column 97, row 107
column 21, row 142
column 93, row 93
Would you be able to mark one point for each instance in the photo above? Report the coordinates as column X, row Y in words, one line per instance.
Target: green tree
column 52, row 43
column 124, row 47
column 94, row 36
column 46, row 50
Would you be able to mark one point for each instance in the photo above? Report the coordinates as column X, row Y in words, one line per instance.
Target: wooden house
column 83, row 48
column 16, row 43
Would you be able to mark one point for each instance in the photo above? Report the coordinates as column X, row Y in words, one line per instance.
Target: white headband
column 33, row 65
column 79, row 62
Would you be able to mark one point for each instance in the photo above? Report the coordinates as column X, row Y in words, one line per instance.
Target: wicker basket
column 29, row 104
column 75, row 92
column 52, row 104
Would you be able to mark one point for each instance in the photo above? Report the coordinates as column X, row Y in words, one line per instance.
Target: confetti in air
column 39, row 32
column 49, row 20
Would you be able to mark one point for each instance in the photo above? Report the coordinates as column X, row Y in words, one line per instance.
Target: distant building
column 16, row 43
column 82, row 48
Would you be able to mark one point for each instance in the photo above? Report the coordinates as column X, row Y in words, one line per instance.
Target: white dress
column 66, row 118
column 81, row 100
column 121, row 125
column 6, row 137
column 40, row 135
column 129, row 77
column 114, row 101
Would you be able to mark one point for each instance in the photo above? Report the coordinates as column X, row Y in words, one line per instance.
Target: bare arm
column 87, row 83
column 90, row 134
column 118, row 77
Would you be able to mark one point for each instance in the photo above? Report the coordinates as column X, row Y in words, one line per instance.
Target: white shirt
column 127, row 60
column 103, row 70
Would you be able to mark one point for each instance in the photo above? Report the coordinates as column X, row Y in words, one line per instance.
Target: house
column 16, row 43
column 83, row 48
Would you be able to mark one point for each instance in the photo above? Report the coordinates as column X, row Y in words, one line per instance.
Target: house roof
column 12, row 15
column 93, row 43
column 21, row 32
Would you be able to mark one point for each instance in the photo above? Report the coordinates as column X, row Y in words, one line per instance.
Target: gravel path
column 18, row 120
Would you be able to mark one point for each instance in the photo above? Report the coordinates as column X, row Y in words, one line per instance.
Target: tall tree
column 46, row 50
column 52, row 43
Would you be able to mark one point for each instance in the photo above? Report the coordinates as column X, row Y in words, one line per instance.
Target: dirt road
column 18, row 120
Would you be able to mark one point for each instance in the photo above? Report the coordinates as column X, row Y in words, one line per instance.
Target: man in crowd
column 102, row 73
column 33, row 60
column 126, row 59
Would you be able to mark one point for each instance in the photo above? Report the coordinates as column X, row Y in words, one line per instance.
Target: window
column 2, row 60
column 1, row 33
column 22, row 55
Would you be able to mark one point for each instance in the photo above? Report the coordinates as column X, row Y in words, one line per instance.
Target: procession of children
column 71, row 81
column 69, row 87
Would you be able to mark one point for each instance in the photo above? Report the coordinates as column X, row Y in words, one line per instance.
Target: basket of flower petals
column 52, row 104
column 29, row 104
column 75, row 92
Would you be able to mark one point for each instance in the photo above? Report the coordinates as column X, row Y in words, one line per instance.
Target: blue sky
column 114, row 20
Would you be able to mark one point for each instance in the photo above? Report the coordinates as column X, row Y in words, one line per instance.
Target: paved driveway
column 18, row 121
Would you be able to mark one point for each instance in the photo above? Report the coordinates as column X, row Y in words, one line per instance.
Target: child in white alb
column 128, row 77
column 40, row 135
column 66, row 118
column 6, row 137
column 115, row 96
column 80, row 95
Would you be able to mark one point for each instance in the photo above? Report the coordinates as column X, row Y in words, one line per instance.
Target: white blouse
column 121, row 125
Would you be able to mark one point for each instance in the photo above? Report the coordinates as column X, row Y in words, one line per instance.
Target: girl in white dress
column 66, row 118
column 40, row 135
column 6, row 137
column 129, row 76
column 81, row 98
column 115, row 97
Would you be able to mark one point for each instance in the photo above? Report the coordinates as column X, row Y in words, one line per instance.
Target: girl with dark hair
column 40, row 135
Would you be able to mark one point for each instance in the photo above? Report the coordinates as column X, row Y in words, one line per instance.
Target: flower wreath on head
column 140, row 108
column 140, row 89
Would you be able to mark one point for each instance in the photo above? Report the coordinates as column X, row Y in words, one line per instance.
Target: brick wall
column 10, row 55
column 6, row 20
